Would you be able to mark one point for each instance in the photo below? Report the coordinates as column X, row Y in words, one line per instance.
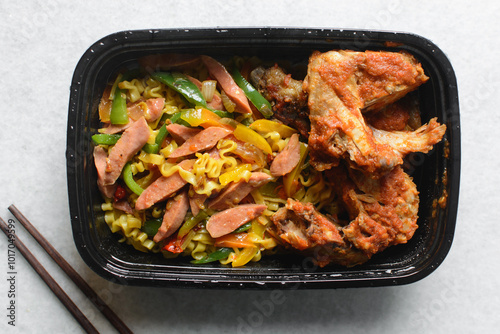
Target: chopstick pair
column 66, row 267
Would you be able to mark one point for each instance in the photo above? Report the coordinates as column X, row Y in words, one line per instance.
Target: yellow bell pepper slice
column 266, row 126
column 236, row 174
column 258, row 229
column 200, row 117
column 245, row 256
column 249, row 136
column 290, row 179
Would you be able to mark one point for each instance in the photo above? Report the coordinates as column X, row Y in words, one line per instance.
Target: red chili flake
column 173, row 245
column 120, row 193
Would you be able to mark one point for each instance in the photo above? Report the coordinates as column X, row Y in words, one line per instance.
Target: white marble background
column 40, row 45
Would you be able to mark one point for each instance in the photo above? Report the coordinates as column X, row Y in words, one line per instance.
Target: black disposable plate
column 436, row 173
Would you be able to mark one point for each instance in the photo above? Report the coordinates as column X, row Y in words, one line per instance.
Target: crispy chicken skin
column 402, row 115
column 302, row 227
column 341, row 85
column 382, row 212
column 360, row 131
column 287, row 96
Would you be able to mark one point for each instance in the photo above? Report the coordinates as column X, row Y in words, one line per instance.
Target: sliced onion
column 228, row 103
column 208, row 89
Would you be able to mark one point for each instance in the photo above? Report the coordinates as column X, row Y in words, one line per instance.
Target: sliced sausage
column 219, row 72
column 197, row 203
column 116, row 128
column 100, row 156
column 181, row 133
column 206, row 139
column 229, row 220
column 132, row 140
column 173, row 217
column 288, row 158
column 124, row 206
column 155, row 108
column 163, row 187
column 237, row 191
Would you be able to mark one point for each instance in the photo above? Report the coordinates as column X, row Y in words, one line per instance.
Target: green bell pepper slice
column 128, row 178
column 105, row 139
column 219, row 254
column 119, row 113
column 190, row 223
column 151, row 227
column 243, row 227
column 182, row 85
column 160, row 137
column 263, row 105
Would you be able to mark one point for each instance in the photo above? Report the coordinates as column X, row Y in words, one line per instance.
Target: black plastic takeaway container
column 436, row 173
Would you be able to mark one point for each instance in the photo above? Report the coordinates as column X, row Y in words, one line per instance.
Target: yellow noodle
column 156, row 212
column 274, row 139
column 257, row 256
column 167, row 150
column 137, row 167
column 133, row 88
column 204, row 178
column 199, row 250
column 150, row 158
column 130, row 227
column 153, row 89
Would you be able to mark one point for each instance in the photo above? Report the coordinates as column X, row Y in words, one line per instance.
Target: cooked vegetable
column 160, row 137
column 219, row 254
column 262, row 105
column 128, row 178
column 245, row 256
column 119, row 113
column 181, row 84
column 247, row 135
column 266, row 126
column 105, row 139
column 235, row 240
column 235, row 175
column 227, row 102
column 191, row 222
column 243, row 228
column 290, row 181
column 208, row 88
column 200, row 117
column 151, row 227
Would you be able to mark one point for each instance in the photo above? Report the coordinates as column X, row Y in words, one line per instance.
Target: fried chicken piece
column 342, row 84
column 401, row 115
column 383, row 211
column 286, row 94
column 404, row 142
column 302, row 227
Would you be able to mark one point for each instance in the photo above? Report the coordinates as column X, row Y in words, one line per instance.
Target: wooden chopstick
column 75, row 277
column 63, row 297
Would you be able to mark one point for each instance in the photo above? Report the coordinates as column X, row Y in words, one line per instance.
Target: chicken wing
column 343, row 84
column 301, row 226
column 287, row 96
column 382, row 212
